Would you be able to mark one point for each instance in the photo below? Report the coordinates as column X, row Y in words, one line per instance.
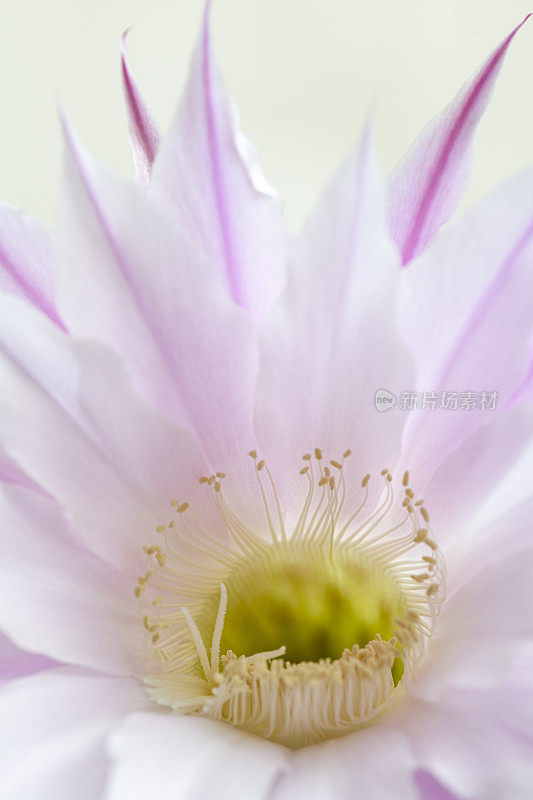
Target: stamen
column 298, row 531
column 217, row 632
column 268, row 654
column 195, row 589
column 198, row 643
column 253, row 454
column 278, row 506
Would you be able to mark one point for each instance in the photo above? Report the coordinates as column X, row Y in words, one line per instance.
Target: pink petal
column 113, row 462
column 428, row 184
column 431, row 789
column 211, row 174
column 460, row 490
column 26, row 260
column 483, row 621
column 128, row 276
column 56, row 598
column 504, row 537
column 375, row 762
column 15, row 663
column 480, row 268
column 331, row 341
column 11, row 472
column 473, row 744
column 144, row 131
column 524, row 392
column 52, row 733
column 189, row 758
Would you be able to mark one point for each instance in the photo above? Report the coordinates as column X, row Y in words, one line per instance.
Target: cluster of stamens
column 192, row 577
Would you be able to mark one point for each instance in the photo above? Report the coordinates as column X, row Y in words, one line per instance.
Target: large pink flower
column 218, row 574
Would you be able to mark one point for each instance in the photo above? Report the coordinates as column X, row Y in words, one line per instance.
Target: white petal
column 372, row 763
column 458, row 493
column 473, row 743
column 171, row 757
column 113, row 462
column 11, row 472
column 479, row 268
column 56, row 598
column 481, row 626
column 52, row 731
column 26, row 260
column 331, row 342
column 127, row 275
column 210, row 173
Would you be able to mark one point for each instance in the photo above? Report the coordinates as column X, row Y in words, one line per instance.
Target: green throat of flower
column 298, row 639
column 314, row 601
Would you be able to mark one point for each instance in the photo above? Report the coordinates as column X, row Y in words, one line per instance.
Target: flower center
column 303, row 637
column 315, row 602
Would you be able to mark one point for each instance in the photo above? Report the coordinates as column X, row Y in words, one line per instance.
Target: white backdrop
column 305, row 74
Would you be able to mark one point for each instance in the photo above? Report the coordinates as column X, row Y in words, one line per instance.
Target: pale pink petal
column 113, row 462
column 465, row 313
column 331, row 342
column 56, row 598
column 372, row 763
column 473, row 742
column 524, row 392
column 459, row 491
column 15, row 663
column 26, row 260
column 486, row 616
column 144, row 131
column 52, row 733
column 129, row 277
column 431, row 789
column 211, row 173
column 189, row 758
column 450, row 742
column 491, row 543
column 429, row 182
column 11, row 472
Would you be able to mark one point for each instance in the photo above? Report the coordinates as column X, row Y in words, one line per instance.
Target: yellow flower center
column 315, row 602
column 303, row 637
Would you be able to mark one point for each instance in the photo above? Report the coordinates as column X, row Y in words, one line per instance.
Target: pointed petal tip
column 65, row 123
column 435, row 191
column 127, row 77
column 124, row 37
column 506, row 42
column 366, row 144
column 369, row 127
column 145, row 135
column 205, row 28
column 69, row 134
column 208, row 5
column 123, row 56
column 204, row 42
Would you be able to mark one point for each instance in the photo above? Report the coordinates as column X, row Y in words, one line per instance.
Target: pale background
column 305, row 74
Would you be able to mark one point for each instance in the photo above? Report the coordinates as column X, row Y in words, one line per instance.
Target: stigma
column 305, row 629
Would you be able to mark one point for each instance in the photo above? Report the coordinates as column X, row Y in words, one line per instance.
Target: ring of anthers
column 301, row 635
